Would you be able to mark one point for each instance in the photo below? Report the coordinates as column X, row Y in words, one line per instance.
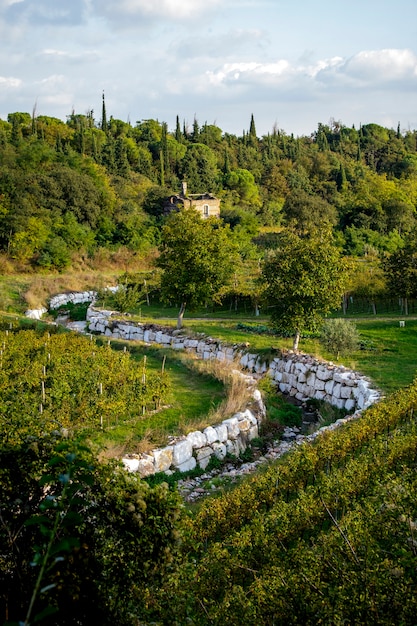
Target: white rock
column 211, row 434
column 163, row 459
column 197, row 439
column 187, row 466
column 132, row 465
column 232, row 427
column 182, row 452
column 221, row 431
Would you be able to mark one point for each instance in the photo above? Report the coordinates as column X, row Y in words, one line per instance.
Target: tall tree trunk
column 181, row 315
column 296, row 340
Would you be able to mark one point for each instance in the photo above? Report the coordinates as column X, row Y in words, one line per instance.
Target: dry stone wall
column 298, row 375
column 295, row 374
column 196, row 449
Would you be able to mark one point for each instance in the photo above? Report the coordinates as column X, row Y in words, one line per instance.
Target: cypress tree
column 253, row 139
column 104, row 126
column 178, row 133
column 196, row 131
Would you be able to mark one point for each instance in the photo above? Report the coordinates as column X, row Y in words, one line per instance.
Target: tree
column 304, row 280
column 307, row 211
column 199, row 168
column 196, row 257
column 401, row 272
column 80, row 539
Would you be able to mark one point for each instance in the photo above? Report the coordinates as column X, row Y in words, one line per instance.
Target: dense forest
column 72, row 188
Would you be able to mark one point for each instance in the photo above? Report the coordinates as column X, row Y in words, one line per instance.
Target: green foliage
column 196, row 259
column 339, row 336
column 401, row 271
column 305, row 279
column 63, row 381
column 362, row 182
column 73, row 532
column 76, row 312
column 327, row 534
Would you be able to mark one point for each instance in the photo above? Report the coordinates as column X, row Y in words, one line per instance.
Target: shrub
column 339, row 336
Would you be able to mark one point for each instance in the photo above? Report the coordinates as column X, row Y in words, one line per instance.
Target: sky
column 290, row 63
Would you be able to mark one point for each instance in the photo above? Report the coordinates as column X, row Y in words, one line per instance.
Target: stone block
column 350, row 404
column 233, row 429
column 319, row 385
column 339, row 403
column 244, row 360
column 132, row 465
column 197, row 439
column 231, row 447
column 244, row 425
column 182, row 451
column 311, row 379
column 329, row 387
column 163, row 458
column 146, row 466
column 324, row 373
column 336, row 390
column 253, row 432
column 288, row 366
column 187, row 466
column 221, row 430
column 211, row 434
column 219, row 450
column 249, row 416
column 203, row 453
column 345, row 392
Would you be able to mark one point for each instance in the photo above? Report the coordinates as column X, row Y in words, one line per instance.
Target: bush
column 339, row 336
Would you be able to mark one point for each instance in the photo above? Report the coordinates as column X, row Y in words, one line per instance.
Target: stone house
column 205, row 203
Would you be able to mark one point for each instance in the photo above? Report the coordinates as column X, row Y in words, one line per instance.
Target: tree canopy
column 305, row 278
column 196, row 258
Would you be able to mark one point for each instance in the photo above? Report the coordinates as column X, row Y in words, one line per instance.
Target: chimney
column 184, row 189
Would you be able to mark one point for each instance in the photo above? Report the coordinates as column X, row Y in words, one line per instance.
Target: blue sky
column 292, row 63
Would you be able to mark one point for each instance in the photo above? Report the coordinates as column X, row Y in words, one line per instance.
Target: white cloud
column 52, row 54
column 9, row 82
column 367, row 68
column 43, row 12
column 153, row 9
column 382, row 65
column 221, row 45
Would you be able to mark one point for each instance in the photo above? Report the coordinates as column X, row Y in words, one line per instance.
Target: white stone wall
column 298, row 375
column 196, row 449
column 72, row 298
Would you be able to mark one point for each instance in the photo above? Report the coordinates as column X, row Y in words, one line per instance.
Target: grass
column 388, row 357
column 194, row 402
column 390, row 354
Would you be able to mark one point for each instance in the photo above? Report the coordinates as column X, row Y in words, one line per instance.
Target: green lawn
column 193, row 397
column 389, row 356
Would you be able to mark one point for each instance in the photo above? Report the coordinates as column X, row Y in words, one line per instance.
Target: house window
column 206, row 210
